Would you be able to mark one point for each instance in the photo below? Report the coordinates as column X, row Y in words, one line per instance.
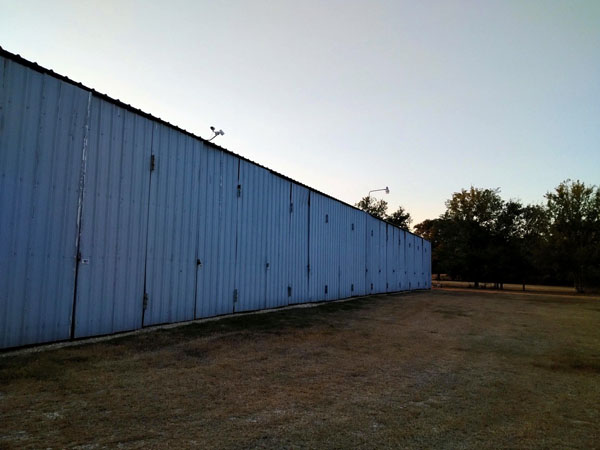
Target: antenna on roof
column 217, row 133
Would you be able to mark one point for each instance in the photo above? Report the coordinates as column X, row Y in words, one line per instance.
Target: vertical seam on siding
column 82, row 172
column 235, row 257
column 147, row 227
column 308, row 252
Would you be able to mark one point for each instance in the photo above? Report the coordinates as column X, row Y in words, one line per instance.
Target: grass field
column 531, row 288
column 450, row 368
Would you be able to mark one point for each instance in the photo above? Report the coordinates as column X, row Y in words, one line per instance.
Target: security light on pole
column 386, row 189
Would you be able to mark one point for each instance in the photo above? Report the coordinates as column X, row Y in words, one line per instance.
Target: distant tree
column 401, row 218
column 574, row 211
column 470, row 219
column 534, row 263
column 476, row 205
column 433, row 231
column 505, row 255
column 377, row 208
column 481, row 237
column 427, row 229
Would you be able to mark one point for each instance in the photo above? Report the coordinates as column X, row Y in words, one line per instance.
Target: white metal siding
column 110, row 276
column 298, row 238
column 324, row 248
column 217, row 211
column 277, row 218
column 172, row 227
column 42, row 122
column 202, row 234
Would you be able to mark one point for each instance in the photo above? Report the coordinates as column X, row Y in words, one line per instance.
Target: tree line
column 484, row 238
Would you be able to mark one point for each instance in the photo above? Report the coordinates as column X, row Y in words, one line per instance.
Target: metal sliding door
column 217, row 219
column 324, row 248
column 376, row 255
column 277, row 216
column 171, row 263
column 42, row 125
column 393, row 259
column 403, row 260
column 352, row 252
column 297, row 241
column 252, row 235
column 110, row 276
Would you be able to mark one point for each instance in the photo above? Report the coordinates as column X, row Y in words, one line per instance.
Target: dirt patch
column 448, row 368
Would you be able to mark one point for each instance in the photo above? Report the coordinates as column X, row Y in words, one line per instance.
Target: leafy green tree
column 481, row 237
column 505, row 244
column 401, row 218
column 470, row 218
column 534, row 263
column 377, row 208
column 480, row 206
column 433, row 231
column 574, row 211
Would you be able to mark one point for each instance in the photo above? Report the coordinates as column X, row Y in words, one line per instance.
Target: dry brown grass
column 529, row 288
column 448, row 368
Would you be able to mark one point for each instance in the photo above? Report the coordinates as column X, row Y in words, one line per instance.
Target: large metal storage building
column 112, row 220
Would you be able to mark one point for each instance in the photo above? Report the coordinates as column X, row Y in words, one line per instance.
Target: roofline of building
column 18, row 58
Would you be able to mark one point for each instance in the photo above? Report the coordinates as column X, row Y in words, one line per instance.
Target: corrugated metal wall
column 113, row 220
column 427, row 264
column 263, row 214
column 376, row 255
column 217, row 212
column 402, row 274
column 172, row 227
column 112, row 245
column 298, row 242
column 352, row 252
column 419, row 262
column 42, row 126
column 277, row 249
column 324, row 248
column 393, row 261
column 410, row 261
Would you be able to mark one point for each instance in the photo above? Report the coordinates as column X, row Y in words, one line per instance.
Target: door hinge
column 239, row 190
column 308, row 268
column 289, row 291
column 78, row 257
column 291, row 207
column 145, row 304
column 152, row 163
column 235, row 296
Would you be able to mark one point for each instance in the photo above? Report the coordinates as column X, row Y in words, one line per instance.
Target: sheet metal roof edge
column 35, row 66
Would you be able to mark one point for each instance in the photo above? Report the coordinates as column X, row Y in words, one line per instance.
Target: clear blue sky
column 347, row 96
